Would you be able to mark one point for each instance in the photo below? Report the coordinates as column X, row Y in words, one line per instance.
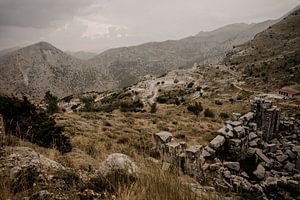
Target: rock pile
column 1, row 125
column 257, row 153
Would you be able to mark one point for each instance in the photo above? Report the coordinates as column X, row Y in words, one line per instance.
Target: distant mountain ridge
column 83, row 55
column 35, row 69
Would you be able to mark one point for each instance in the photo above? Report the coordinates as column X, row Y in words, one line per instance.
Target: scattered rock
column 260, row 172
column 232, row 165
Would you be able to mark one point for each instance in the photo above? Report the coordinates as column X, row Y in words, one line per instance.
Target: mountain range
column 35, row 69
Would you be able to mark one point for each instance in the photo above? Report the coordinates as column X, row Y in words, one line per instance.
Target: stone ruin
column 257, row 153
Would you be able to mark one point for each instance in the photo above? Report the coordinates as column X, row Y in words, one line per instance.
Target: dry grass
column 155, row 184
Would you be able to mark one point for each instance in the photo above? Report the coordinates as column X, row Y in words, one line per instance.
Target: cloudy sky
column 94, row 25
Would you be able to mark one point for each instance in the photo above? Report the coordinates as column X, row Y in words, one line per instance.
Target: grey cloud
column 39, row 13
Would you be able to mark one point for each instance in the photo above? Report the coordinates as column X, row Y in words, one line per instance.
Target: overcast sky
column 93, row 25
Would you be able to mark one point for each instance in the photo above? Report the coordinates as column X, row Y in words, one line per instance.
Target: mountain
column 128, row 64
column 38, row 68
column 8, row 50
column 35, row 69
column 272, row 58
column 83, row 55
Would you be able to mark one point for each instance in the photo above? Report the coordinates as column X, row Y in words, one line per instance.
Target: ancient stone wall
column 245, row 155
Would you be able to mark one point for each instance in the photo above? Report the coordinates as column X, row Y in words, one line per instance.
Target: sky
column 95, row 25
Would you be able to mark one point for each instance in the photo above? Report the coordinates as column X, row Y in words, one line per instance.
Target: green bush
column 195, row 108
column 209, row 113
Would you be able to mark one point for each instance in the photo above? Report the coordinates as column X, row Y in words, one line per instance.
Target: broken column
column 267, row 117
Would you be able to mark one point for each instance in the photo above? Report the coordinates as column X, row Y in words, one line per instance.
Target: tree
column 51, row 102
column 22, row 119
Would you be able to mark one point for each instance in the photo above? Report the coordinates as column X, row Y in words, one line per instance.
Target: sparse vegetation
column 195, row 108
column 209, row 113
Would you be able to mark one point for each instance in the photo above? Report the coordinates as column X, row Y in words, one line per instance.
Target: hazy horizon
column 96, row 25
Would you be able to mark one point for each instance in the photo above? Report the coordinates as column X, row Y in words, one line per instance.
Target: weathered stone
column 271, row 147
column 289, row 166
column 244, row 175
column 239, row 131
column 281, row 158
column 118, row 162
column 296, row 149
column 16, row 158
column 252, row 136
column 254, row 142
column 163, row 137
column 251, row 151
column 217, row 142
column 253, row 126
column 262, row 156
column 247, row 117
column 291, row 154
column 208, row 152
column 260, row 172
column 236, row 123
column 225, row 132
column 232, row 165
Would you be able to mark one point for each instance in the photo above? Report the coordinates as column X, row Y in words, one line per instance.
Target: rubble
column 245, row 155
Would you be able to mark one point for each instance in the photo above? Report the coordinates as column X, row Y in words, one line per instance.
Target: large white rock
column 118, row 162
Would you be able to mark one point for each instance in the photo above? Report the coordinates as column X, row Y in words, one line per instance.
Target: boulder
column 260, row 172
column 217, row 142
column 15, row 159
column 118, row 162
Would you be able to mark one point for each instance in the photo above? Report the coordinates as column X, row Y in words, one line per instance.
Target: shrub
column 88, row 103
column 51, row 102
column 161, row 99
column 224, row 115
column 153, row 108
column 195, row 108
column 190, row 85
column 218, row 102
column 22, row 119
column 209, row 113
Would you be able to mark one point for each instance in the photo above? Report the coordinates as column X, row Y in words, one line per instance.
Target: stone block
column 217, row 142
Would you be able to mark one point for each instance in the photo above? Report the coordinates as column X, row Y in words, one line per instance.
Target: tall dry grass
column 155, row 184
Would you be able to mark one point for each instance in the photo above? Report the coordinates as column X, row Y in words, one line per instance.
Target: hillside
column 83, row 55
column 35, row 69
column 128, row 64
column 272, row 59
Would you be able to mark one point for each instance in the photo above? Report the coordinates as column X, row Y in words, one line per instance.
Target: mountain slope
column 272, row 58
column 35, row 69
column 83, row 55
column 128, row 64
column 8, row 50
